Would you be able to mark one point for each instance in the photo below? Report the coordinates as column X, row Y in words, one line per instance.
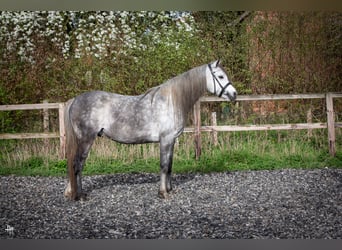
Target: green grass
column 234, row 152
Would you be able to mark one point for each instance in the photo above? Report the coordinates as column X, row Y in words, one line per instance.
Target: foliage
column 295, row 52
column 77, row 34
column 227, row 40
column 57, row 54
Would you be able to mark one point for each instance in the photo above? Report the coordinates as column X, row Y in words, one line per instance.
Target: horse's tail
column 71, row 148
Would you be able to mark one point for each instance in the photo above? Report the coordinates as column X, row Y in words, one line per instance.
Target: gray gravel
column 248, row 204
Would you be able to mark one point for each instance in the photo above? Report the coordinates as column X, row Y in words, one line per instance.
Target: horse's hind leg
column 81, row 155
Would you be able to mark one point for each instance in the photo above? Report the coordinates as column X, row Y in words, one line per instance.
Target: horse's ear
column 218, row 62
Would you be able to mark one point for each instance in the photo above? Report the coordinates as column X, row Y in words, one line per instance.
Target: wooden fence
column 45, row 135
column 197, row 129
column 331, row 124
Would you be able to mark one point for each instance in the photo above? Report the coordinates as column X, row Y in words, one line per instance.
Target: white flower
column 96, row 33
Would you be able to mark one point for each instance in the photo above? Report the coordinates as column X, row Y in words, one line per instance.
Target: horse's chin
column 230, row 96
column 226, row 97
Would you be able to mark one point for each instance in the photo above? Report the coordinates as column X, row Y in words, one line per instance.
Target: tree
column 225, row 32
column 295, row 52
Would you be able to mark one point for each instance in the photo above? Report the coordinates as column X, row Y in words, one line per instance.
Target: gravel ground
column 247, row 204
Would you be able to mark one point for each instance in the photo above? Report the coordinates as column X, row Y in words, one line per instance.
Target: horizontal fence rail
column 43, row 135
column 268, row 97
column 29, row 135
column 29, row 106
column 197, row 129
column 236, row 128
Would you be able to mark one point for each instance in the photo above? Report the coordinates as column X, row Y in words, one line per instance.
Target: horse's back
column 127, row 119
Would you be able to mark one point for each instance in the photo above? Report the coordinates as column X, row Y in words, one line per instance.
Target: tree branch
column 240, row 18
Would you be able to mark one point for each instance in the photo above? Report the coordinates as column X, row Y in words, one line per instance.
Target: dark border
column 172, row 244
column 333, row 5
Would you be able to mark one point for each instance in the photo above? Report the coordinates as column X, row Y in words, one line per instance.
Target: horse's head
column 218, row 82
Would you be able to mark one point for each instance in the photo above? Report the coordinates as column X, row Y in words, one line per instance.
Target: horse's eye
column 221, row 76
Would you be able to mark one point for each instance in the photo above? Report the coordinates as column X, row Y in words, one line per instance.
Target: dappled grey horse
column 159, row 115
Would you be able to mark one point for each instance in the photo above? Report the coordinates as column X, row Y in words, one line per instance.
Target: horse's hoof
column 69, row 196
column 81, row 197
column 163, row 195
column 67, row 192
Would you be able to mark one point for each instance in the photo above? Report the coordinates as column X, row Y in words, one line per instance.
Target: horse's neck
column 190, row 89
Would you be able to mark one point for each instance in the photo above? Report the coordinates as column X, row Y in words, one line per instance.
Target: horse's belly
column 132, row 135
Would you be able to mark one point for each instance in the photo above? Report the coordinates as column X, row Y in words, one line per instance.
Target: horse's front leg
column 166, row 157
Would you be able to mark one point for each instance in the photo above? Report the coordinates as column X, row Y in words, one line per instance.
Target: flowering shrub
column 99, row 33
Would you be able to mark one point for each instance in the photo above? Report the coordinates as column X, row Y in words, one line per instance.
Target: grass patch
column 234, row 152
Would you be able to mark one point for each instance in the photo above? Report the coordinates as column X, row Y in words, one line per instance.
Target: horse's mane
column 185, row 89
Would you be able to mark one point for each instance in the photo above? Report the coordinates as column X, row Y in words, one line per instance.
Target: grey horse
column 159, row 115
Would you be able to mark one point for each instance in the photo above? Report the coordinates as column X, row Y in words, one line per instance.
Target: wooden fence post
column 331, row 124
column 214, row 123
column 309, row 120
column 46, row 126
column 197, row 124
column 62, row 138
